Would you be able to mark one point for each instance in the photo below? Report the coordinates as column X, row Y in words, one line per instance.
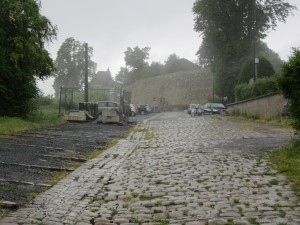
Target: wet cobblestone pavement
column 181, row 170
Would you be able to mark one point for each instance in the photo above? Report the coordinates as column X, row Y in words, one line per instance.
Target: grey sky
column 166, row 26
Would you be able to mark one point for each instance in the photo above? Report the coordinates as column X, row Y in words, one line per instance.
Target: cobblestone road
column 178, row 170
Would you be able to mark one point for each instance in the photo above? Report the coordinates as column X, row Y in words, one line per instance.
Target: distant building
column 103, row 80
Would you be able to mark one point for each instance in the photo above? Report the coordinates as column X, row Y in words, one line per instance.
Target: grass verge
column 45, row 117
column 287, row 161
column 277, row 121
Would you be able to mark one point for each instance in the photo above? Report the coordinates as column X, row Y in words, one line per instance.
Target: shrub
column 260, row 87
column 43, row 100
column 289, row 83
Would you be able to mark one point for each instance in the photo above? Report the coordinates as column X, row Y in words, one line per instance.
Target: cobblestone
column 192, row 171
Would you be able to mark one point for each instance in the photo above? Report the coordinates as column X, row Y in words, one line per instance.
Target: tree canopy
column 229, row 29
column 23, row 58
column 138, row 68
column 70, row 65
column 264, row 69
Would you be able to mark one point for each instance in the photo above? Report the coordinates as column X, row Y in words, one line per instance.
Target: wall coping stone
column 252, row 99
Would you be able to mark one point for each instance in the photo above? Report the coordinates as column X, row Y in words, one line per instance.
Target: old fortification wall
column 173, row 91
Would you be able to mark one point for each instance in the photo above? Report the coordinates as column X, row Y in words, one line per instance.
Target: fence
column 69, row 98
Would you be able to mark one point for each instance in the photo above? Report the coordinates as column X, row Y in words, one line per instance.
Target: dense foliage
column 260, row 87
column 70, row 65
column 289, row 83
column 138, row 68
column 230, row 30
column 264, row 69
column 23, row 58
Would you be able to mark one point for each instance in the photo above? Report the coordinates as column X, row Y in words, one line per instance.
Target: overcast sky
column 166, row 26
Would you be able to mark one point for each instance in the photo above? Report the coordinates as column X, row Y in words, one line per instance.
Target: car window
column 101, row 104
column 112, row 104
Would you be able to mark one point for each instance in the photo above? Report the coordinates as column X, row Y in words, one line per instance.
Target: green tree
column 289, row 83
column 228, row 29
column 136, row 64
column 136, row 58
column 122, row 75
column 70, row 65
column 264, row 51
column 138, row 68
column 175, row 64
column 264, row 69
column 23, row 58
column 156, row 69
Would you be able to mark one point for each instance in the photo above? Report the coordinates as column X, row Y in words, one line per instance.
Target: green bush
column 43, row 100
column 260, row 87
column 289, row 83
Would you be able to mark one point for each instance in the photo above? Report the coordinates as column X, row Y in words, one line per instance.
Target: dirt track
column 29, row 159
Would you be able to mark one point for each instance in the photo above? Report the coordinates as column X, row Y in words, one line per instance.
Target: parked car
column 148, row 109
column 200, row 110
column 191, row 107
column 142, row 109
column 108, row 105
column 133, row 109
column 215, row 108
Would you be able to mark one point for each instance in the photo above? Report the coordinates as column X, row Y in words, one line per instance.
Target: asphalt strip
column 151, row 118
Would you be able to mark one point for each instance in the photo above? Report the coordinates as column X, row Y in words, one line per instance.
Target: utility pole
column 253, row 40
column 86, row 78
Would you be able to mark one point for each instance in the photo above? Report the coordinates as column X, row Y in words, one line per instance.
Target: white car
column 133, row 109
column 148, row 109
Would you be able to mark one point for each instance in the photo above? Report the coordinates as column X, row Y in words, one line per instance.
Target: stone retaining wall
column 173, row 91
column 267, row 106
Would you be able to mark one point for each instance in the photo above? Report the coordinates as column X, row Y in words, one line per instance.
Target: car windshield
column 217, row 105
column 112, row 104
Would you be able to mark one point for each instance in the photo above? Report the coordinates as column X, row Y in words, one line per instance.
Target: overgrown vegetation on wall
column 260, row 87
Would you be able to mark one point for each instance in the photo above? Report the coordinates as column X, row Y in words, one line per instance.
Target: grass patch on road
column 287, row 161
column 93, row 154
column 149, row 135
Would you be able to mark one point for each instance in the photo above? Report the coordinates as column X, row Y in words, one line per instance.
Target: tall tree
column 229, row 28
column 23, row 58
column 136, row 58
column 138, row 68
column 70, row 65
column 174, row 64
